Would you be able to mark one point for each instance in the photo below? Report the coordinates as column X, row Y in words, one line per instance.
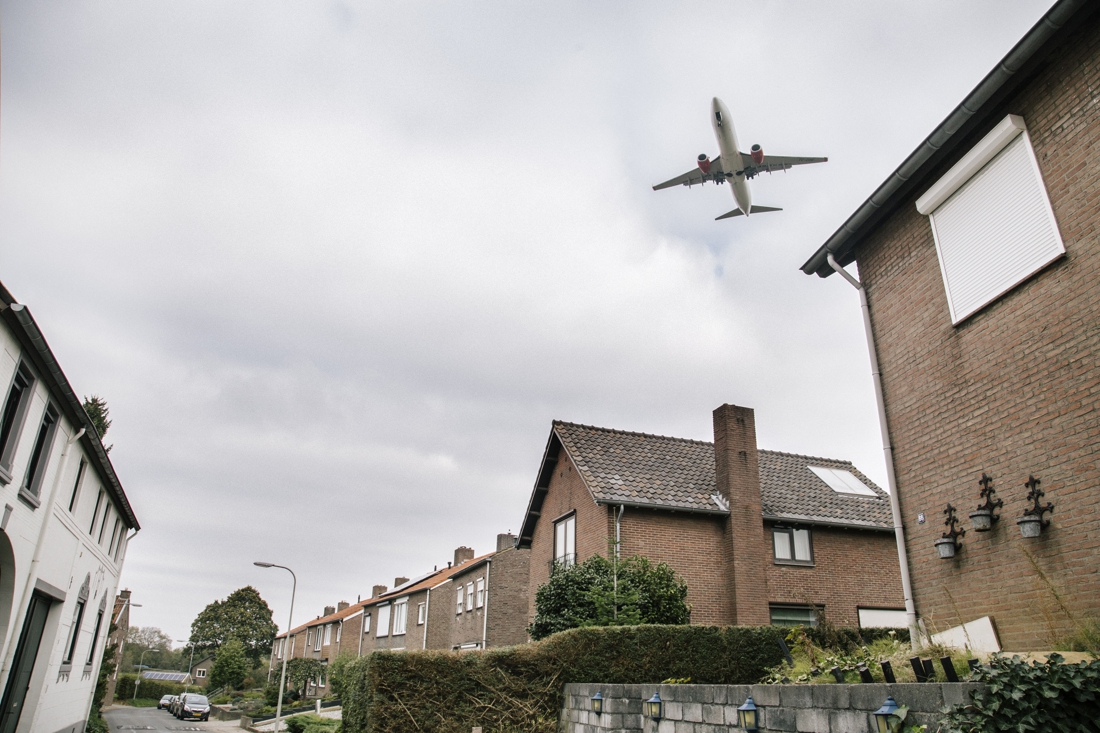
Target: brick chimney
column 463, row 554
column 377, row 591
column 505, row 541
column 399, row 582
column 342, row 605
column 737, row 474
column 329, row 610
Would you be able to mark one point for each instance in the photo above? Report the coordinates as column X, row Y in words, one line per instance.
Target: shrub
column 519, row 688
column 1022, row 697
column 311, row 723
column 152, row 689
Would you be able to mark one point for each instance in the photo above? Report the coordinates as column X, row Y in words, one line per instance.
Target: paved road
column 127, row 719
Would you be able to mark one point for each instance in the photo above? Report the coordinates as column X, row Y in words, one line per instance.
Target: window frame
column 814, row 612
column 385, row 613
column 470, row 596
column 328, row 635
column 479, row 590
column 30, row 489
column 460, row 599
column 77, row 484
column 789, row 531
column 74, row 632
column 421, row 613
column 565, row 541
column 200, row 673
column 17, row 414
column 317, row 632
column 95, row 639
column 366, row 623
column 400, row 617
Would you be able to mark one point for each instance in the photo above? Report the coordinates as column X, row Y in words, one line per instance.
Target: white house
column 64, row 527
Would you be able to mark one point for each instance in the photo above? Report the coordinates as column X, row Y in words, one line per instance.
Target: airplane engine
column 757, row 154
column 704, row 163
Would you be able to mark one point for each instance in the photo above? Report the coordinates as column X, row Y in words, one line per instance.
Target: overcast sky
column 336, row 266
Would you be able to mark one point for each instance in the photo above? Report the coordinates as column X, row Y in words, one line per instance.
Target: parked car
column 164, row 702
column 192, row 706
column 171, row 706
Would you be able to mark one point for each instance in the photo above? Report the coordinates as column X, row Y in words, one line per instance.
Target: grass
column 807, row 656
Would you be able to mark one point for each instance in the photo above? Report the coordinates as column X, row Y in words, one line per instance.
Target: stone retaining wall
column 825, row 708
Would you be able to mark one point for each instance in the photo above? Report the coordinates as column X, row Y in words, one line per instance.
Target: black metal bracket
column 987, row 493
column 951, row 523
column 1034, row 495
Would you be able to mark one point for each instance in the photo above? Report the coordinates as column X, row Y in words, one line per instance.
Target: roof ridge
column 803, row 455
column 631, row 432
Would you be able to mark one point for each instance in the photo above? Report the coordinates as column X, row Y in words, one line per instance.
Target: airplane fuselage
column 722, row 122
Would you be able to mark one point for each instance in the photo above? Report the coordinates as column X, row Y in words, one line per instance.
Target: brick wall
column 851, row 569
column 508, row 581
column 1012, row 391
column 694, row 545
column 441, row 615
column 566, row 493
column 468, row 627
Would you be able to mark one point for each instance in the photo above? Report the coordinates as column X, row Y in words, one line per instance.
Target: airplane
column 734, row 166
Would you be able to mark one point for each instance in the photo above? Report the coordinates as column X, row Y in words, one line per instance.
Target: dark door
column 23, row 664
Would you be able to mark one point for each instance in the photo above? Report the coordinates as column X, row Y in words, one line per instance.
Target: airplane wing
column 695, row 176
column 774, row 163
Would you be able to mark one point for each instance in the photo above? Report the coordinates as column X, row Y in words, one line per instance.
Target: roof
column 169, row 676
column 677, row 474
column 1013, row 71
column 19, row 319
column 430, row 580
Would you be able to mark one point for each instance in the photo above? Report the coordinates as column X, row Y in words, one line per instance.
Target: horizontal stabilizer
column 752, row 210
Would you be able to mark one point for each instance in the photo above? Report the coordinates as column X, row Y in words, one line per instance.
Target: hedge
column 148, row 689
column 520, row 688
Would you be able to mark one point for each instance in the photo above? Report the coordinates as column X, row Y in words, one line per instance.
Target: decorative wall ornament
column 949, row 542
column 1032, row 523
column 983, row 517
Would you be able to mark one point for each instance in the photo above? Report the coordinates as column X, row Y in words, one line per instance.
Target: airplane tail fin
column 752, row 210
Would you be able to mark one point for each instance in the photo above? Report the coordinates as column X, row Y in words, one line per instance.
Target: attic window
column 991, row 219
column 842, row 482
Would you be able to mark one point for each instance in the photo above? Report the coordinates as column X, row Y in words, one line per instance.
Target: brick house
column 422, row 613
column 979, row 262
column 200, row 671
column 759, row 536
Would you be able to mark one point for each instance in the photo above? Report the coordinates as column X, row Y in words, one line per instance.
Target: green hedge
column 149, row 689
column 520, row 688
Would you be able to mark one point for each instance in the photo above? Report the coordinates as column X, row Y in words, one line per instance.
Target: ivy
column 1022, row 696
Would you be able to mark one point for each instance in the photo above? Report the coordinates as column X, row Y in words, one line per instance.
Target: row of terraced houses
column 759, row 536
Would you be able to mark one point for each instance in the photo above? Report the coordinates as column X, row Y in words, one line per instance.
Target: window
column 309, row 637
column 565, row 541
column 885, row 618
column 792, row 545
column 469, row 596
column 321, row 680
column 200, row 673
column 793, row 616
column 95, row 514
column 991, row 219
column 74, row 633
column 328, row 634
column 400, row 616
column 114, row 535
column 383, row 620
column 317, row 639
column 76, row 484
column 366, row 623
column 95, row 638
column 103, row 524
column 339, row 628
column 421, row 613
column 280, row 645
column 15, row 409
column 40, row 456
column 841, row 481
column 121, row 537
column 480, row 592
column 459, row 596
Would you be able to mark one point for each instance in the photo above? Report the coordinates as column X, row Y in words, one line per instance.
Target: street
column 123, row 719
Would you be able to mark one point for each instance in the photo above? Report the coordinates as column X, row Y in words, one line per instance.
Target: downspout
column 888, row 454
column 618, row 539
column 36, row 559
column 362, row 632
column 427, row 617
column 485, row 608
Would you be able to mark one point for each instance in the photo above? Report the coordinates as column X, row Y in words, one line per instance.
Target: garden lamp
column 746, row 715
column 597, row 703
column 886, row 717
column 653, row 707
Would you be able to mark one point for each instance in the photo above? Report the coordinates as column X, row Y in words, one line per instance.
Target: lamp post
column 191, row 663
column 289, row 622
column 140, row 666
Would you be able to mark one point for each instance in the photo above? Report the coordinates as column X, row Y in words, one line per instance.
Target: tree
column 99, row 414
column 230, row 665
column 301, row 670
column 599, row 592
column 244, row 616
column 156, row 645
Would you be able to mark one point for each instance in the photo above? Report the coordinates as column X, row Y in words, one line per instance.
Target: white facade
column 64, row 527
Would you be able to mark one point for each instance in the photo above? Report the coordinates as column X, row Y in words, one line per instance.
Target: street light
column 191, row 663
column 140, row 666
column 289, row 622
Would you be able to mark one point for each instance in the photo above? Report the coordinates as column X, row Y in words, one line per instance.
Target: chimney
column 463, row 554
column 329, row 610
column 342, row 605
column 737, row 474
column 399, row 582
column 505, row 541
column 377, row 591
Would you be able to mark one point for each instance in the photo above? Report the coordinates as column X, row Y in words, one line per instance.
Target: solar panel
column 169, row 676
column 841, row 481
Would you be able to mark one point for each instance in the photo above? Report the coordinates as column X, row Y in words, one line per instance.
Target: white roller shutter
column 996, row 229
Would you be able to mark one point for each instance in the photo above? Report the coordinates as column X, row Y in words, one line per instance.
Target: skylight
column 842, row 482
